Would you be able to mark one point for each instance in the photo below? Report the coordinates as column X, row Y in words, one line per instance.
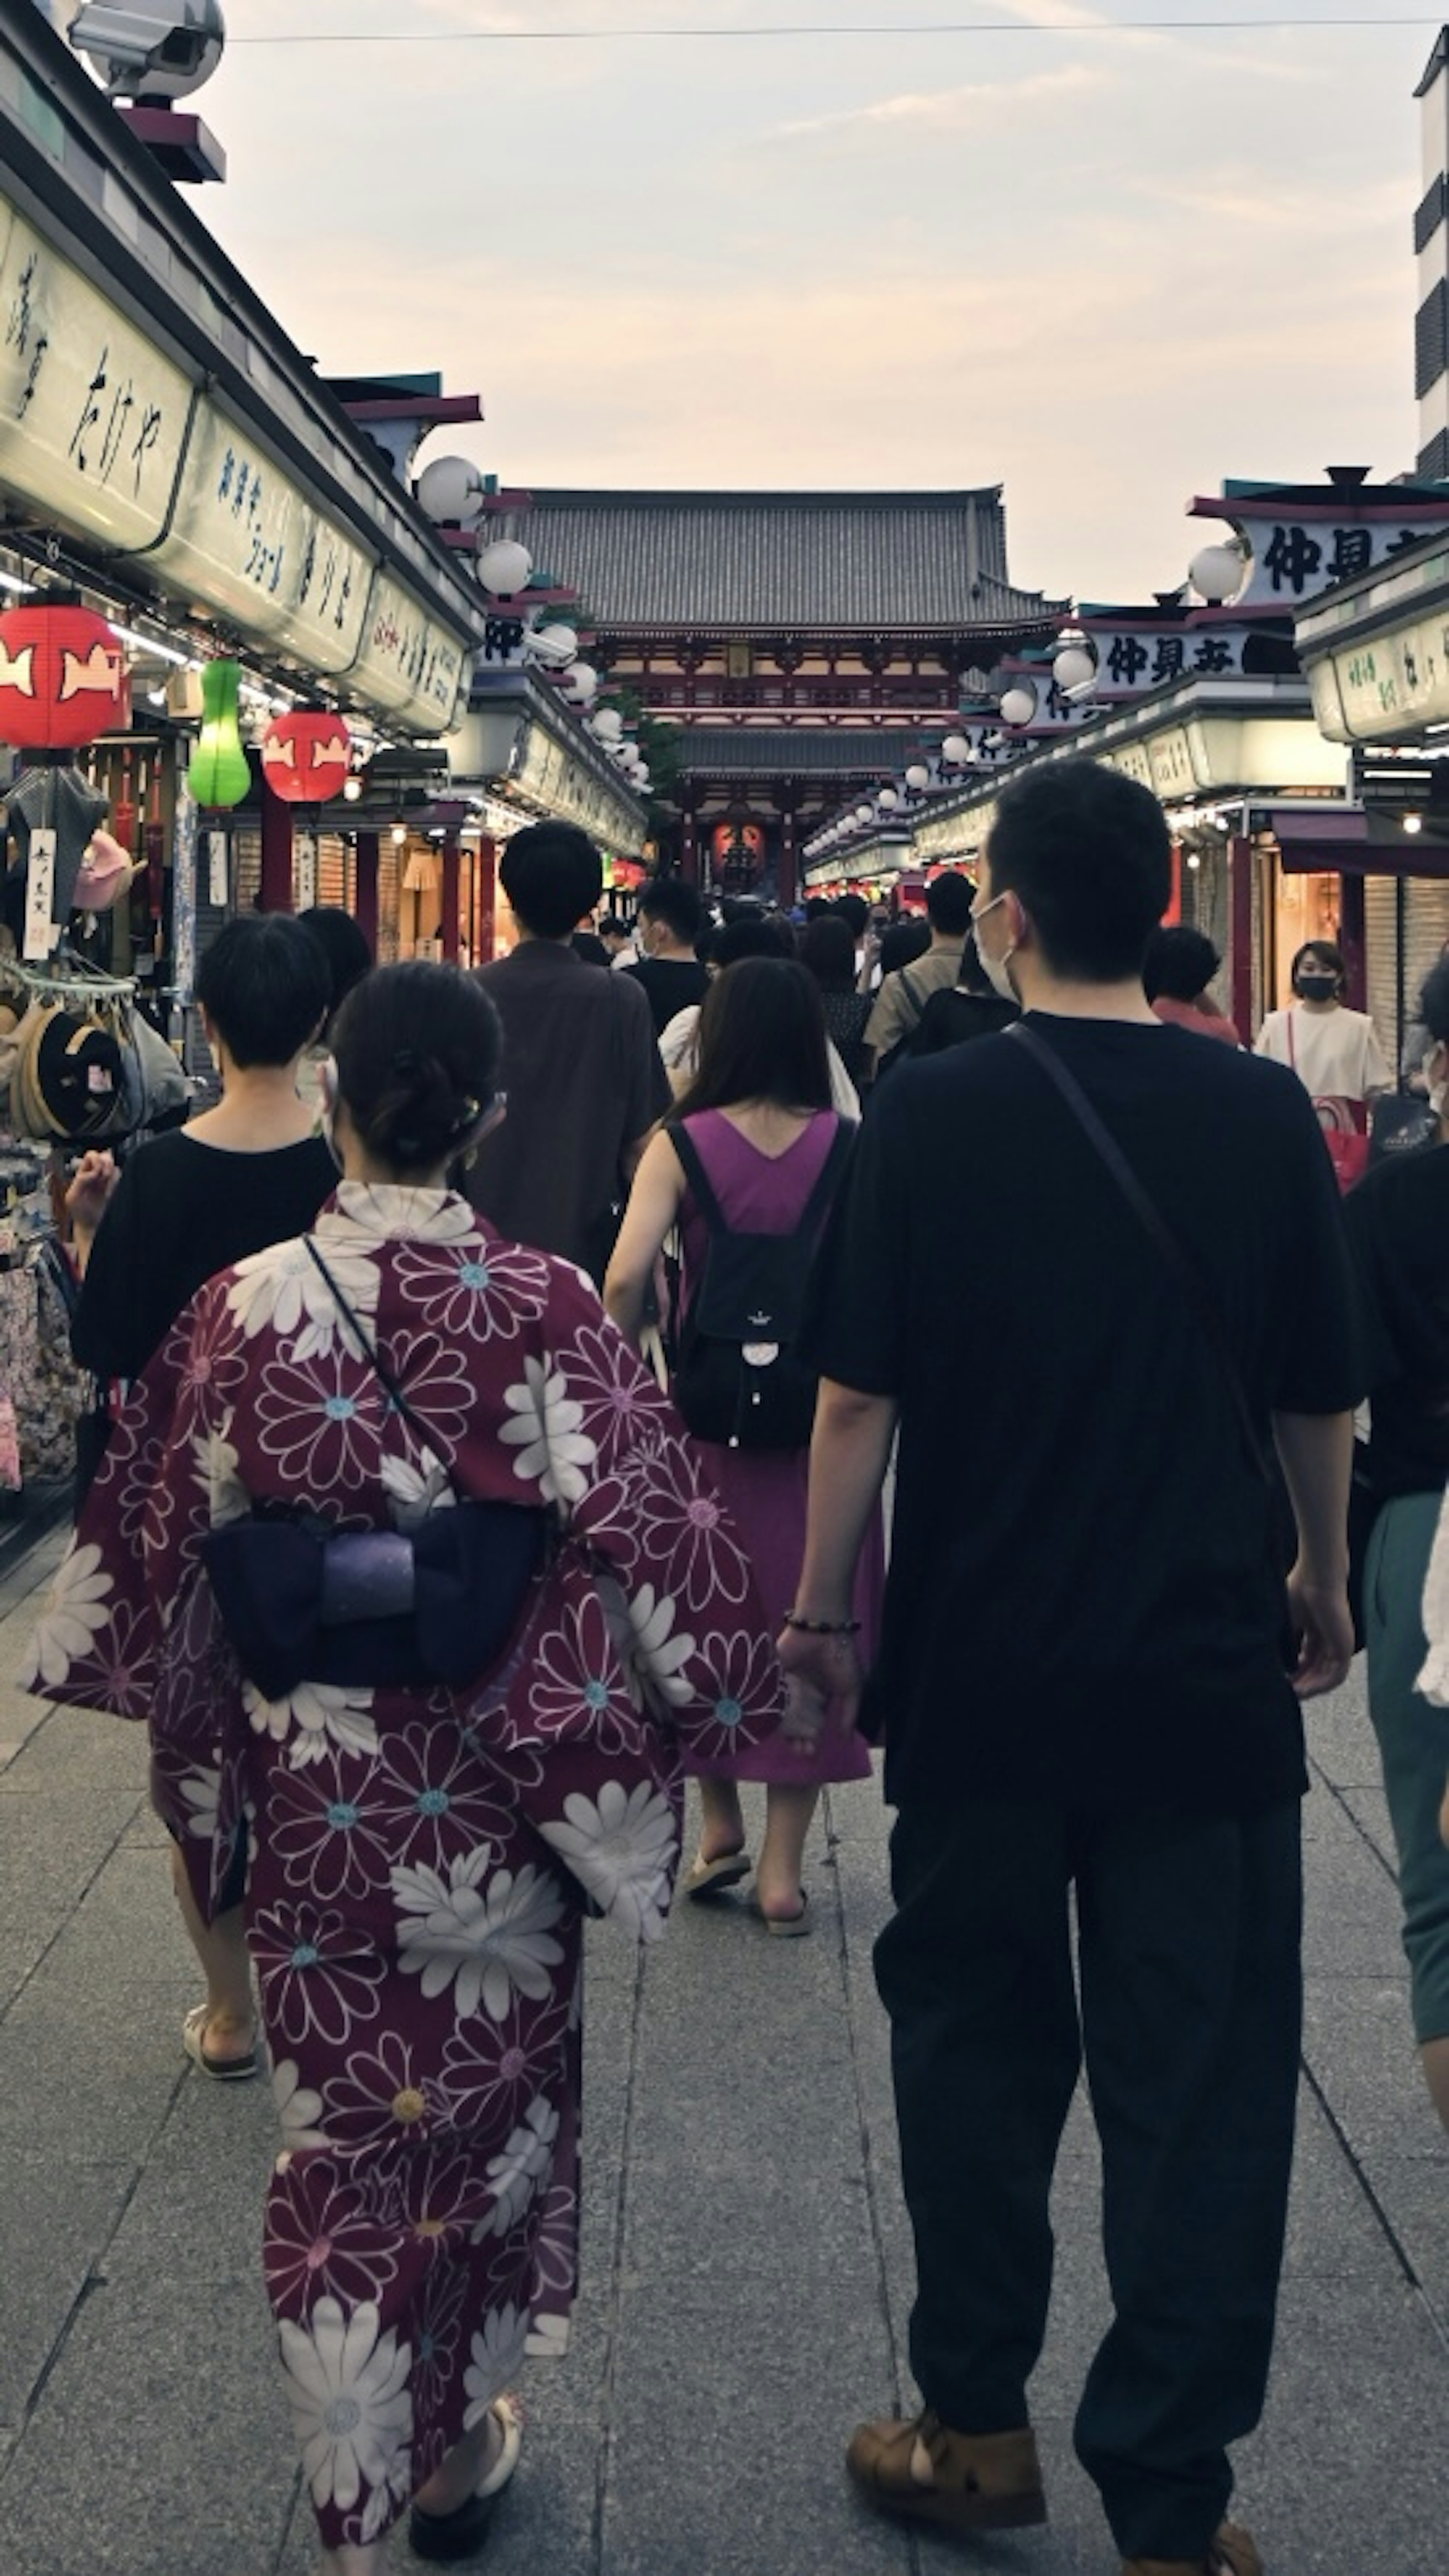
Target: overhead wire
column 796, row 31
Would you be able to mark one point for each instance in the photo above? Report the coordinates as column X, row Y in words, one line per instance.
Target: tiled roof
column 804, row 751
column 738, row 560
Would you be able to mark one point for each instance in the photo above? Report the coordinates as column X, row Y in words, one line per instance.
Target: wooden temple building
column 806, row 644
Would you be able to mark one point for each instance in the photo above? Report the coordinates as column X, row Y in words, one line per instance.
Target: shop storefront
column 1376, row 656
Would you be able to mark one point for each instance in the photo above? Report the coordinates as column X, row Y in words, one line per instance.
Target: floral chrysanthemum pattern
column 418, row 1859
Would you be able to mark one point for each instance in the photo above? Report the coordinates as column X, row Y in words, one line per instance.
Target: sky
column 1105, row 269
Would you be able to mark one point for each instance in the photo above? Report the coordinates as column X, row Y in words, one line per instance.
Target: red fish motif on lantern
column 306, row 755
column 62, row 676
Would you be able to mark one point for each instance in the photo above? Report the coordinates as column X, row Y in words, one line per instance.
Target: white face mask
column 996, row 967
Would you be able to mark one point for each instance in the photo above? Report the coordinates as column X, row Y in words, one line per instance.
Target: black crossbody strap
column 373, row 1357
column 1154, row 1225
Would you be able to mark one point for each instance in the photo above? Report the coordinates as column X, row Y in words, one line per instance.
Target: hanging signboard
column 409, row 663
column 1297, row 555
column 92, row 417
column 1391, row 686
column 245, row 538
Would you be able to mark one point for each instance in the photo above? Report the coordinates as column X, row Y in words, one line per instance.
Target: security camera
column 160, row 51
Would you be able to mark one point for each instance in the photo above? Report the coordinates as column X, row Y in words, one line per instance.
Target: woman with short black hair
column 399, row 1550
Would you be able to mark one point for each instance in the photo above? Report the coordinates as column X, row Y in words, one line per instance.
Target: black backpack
column 737, row 1380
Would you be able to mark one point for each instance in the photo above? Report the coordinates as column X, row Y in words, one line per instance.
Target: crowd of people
column 506, row 1440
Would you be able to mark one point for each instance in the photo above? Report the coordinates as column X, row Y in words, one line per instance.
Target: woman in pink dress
column 758, row 1117
column 405, row 1425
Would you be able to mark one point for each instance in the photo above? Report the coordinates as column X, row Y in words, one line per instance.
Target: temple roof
column 806, row 750
column 911, row 562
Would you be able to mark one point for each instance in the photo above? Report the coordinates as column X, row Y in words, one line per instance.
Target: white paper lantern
column 609, row 724
column 1075, row 668
column 918, row 778
column 1216, row 572
column 956, row 749
column 554, row 646
column 451, row 491
column 1019, row 704
column 504, row 567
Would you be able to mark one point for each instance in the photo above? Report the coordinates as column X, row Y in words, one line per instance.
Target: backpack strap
column 813, row 1213
column 701, row 1186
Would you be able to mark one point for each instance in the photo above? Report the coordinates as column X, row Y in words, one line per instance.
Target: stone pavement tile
column 1414, row 2196
column 160, row 2446
column 197, row 2207
column 52, row 1846
column 1370, row 1810
column 1340, row 1738
column 90, row 2056
column 1351, row 1904
column 55, row 2223
column 1347, row 2474
column 1359, row 2044
column 80, row 1751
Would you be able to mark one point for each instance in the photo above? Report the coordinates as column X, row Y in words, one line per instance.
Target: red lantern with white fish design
column 306, row 756
column 62, row 675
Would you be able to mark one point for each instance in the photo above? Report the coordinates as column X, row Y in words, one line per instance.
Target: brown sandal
column 981, row 2482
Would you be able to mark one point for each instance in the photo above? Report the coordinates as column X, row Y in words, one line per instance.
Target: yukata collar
column 389, row 1211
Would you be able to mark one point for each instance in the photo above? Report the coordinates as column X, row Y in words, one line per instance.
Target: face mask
column 1312, row 987
column 996, row 967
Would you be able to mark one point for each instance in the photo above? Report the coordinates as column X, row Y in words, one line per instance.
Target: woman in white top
column 1333, row 1050
column 1334, row 1053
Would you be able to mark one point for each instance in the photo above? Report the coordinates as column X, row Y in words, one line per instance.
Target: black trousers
column 1189, row 2020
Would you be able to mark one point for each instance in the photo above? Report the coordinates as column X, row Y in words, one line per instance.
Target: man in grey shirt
column 580, row 1065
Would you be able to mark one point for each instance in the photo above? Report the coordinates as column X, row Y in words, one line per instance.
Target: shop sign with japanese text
column 1296, row 558
column 92, row 417
column 245, row 538
column 1131, row 660
column 408, row 662
column 1400, row 681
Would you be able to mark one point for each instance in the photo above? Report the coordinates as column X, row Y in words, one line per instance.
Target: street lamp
column 1074, row 664
column 609, row 725
column 554, row 646
column 956, row 749
column 504, row 567
column 1216, row 572
column 918, row 778
column 1018, row 705
column 451, row 491
column 887, row 801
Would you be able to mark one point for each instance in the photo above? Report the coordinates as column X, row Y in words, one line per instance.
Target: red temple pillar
column 485, row 899
column 1352, row 940
column 276, row 887
column 1240, row 936
column 451, row 885
column 367, row 858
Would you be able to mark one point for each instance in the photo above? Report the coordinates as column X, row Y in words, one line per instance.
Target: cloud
column 1239, row 197
column 947, row 111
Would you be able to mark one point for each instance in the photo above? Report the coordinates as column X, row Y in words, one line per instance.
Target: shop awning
column 1353, row 844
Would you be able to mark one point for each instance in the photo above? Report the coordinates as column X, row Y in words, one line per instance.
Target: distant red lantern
column 62, row 675
column 306, row 756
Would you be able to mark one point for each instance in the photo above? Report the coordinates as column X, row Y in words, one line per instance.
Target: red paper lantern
column 62, row 676
column 306, row 756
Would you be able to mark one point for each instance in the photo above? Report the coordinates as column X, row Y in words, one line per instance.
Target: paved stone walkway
column 747, row 2259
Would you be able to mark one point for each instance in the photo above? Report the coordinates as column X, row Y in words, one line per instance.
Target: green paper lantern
column 220, row 772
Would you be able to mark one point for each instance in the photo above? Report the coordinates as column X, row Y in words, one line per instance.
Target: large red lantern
column 306, row 756
column 62, row 675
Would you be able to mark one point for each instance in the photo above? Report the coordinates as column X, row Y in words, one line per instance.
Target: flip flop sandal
column 222, row 2070
column 711, row 1877
column 783, row 1927
column 445, row 2538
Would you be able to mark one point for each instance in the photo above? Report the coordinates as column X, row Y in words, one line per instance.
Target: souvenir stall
column 80, row 1066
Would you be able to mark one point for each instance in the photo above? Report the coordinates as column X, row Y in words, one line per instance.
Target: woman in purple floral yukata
column 422, row 1850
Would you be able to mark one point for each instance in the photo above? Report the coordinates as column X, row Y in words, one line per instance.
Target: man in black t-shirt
column 671, row 917
column 1082, row 1682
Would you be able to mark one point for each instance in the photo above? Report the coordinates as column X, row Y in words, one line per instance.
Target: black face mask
column 1316, row 988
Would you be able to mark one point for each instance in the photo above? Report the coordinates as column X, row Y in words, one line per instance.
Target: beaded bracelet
column 821, row 1627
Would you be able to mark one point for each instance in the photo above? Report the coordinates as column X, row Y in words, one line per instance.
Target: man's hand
column 1323, row 1626
column 817, row 1670
column 89, row 1193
